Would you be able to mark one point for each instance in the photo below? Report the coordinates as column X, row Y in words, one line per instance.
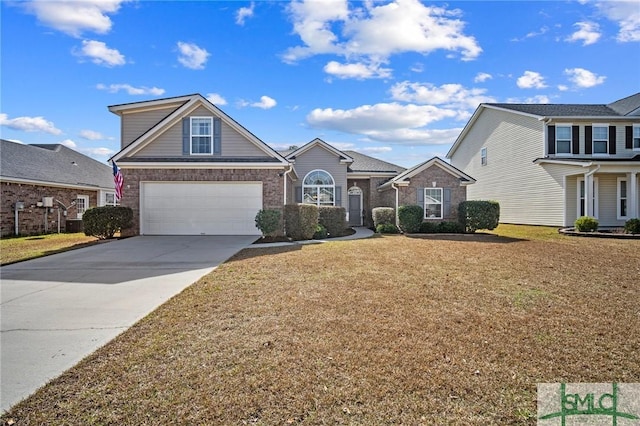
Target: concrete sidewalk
column 58, row 309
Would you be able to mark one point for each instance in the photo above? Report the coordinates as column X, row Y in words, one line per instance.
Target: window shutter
column 217, row 136
column 588, row 139
column 447, row 203
column 575, row 140
column 628, row 137
column 186, row 136
column 612, row 139
column 338, row 196
column 551, row 139
column 420, row 197
column 298, row 194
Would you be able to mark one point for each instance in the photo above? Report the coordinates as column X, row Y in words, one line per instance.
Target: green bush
column 334, row 219
column 450, row 228
column 428, row 227
column 410, row 218
column 586, row 224
column 321, row 232
column 477, row 214
column 632, row 226
column 383, row 215
column 104, row 222
column 387, row 228
column 268, row 221
column 300, row 221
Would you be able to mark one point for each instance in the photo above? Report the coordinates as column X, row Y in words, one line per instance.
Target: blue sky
column 397, row 80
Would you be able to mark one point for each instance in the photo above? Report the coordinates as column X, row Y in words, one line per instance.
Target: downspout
column 285, row 182
column 393, row 185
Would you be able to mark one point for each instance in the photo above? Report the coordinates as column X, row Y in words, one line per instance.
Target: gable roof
column 344, row 158
column 53, row 165
column 363, row 163
column 623, row 108
column 185, row 105
column 404, row 178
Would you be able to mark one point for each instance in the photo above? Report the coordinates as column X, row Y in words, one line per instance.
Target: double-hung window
column 110, row 199
column 433, row 203
column 563, row 139
column 483, row 156
column 201, row 135
column 622, row 198
column 82, row 204
column 636, row 137
column 318, row 188
column 600, row 139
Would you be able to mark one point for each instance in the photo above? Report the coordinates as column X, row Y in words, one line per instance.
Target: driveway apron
column 58, row 309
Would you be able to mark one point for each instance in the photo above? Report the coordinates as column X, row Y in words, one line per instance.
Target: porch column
column 588, row 194
column 632, row 204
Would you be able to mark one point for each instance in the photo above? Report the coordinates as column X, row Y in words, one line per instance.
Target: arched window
column 318, row 188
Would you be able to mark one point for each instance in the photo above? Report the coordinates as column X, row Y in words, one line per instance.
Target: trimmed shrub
column 300, row 221
column 382, row 215
column 104, row 222
column 586, row 224
column 387, row 228
column 428, row 227
column 450, row 228
column 478, row 214
column 410, row 218
column 268, row 221
column 334, row 219
column 632, row 226
column 321, row 232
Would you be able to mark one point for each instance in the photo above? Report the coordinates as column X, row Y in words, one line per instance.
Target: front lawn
column 388, row 330
column 16, row 249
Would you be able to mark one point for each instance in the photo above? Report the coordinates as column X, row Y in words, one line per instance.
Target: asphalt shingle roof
column 365, row 163
column 52, row 163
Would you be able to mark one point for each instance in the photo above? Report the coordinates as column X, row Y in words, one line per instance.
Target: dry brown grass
column 389, row 330
column 24, row 248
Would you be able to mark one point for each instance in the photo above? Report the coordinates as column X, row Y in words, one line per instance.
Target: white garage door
column 199, row 208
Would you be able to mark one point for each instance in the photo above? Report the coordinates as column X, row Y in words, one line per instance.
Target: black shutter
column 628, row 137
column 575, row 140
column 588, row 139
column 612, row 139
column 186, row 136
column 551, row 140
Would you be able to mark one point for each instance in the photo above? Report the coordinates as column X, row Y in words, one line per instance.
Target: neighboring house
column 549, row 164
column 191, row 169
column 53, row 184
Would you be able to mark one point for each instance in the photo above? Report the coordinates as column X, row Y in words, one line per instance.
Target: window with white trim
column 600, row 139
column 201, row 135
column 318, row 187
column 563, row 139
column 483, row 156
column 433, row 203
column 109, row 199
column 82, row 204
column 581, row 204
column 636, row 137
column 622, row 198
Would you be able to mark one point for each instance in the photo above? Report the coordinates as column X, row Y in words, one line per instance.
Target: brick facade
column 31, row 220
column 272, row 185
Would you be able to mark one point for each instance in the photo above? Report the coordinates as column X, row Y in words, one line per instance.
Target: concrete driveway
column 58, row 309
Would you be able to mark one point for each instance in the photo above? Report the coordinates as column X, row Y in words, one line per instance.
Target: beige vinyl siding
column 528, row 193
column 608, row 199
column 136, row 124
column 169, row 143
column 318, row 158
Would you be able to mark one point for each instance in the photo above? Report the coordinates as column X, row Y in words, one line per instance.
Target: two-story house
column 548, row 164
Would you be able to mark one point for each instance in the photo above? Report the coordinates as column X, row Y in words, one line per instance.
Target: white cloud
column 588, row 33
column 626, row 14
column 532, row 34
column 98, row 152
column 243, row 13
column 192, row 56
column 91, row 135
column 531, row 80
column 131, row 90
column 69, row 143
column 563, row 87
column 375, row 149
column 265, row 103
column 371, row 33
column 216, row 99
column 538, row 99
column 358, row 71
column 452, row 96
column 29, row 124
column 100, row 54
column 481, row 77
column 74, row 17
column 583, row 78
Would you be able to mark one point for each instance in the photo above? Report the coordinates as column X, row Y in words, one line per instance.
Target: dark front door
column 355, row 210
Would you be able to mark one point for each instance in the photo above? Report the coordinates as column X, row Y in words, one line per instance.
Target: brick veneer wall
column 31, row 220
column 272, row 185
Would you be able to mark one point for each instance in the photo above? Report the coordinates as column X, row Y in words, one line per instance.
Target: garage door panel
column 197, row 208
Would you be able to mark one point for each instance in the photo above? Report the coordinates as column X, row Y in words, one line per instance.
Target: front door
column 355, row 206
